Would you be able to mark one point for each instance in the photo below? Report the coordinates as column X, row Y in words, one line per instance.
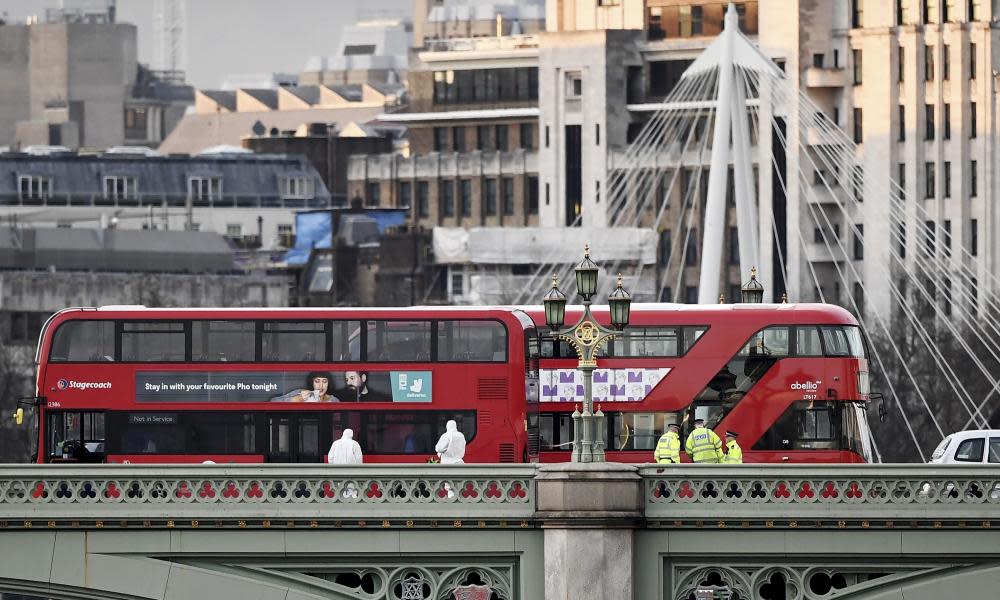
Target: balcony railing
column 145, row 200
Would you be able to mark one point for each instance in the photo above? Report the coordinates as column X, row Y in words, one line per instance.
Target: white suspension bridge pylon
column 937, row 345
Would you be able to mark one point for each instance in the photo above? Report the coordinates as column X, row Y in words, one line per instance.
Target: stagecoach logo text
column 69, row 384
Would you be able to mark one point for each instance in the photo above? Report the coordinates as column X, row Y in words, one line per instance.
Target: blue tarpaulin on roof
column 312, row 230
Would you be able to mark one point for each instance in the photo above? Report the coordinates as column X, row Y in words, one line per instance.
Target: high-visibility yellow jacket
column 734, row 454
column 704, row 446
column 668, row 449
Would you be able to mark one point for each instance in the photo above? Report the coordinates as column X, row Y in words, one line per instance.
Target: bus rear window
column 843, row 341
column 84, row 341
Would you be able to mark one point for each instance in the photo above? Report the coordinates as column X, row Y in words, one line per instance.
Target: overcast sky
column 242, row 36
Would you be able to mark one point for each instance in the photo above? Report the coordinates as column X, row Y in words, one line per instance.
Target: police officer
column 668, row 449
column 734, row 454
column 703, row 445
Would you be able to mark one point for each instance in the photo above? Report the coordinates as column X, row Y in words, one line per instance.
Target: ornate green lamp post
column 586, row 337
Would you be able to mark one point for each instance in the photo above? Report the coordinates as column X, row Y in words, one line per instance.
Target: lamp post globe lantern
column 586, row 275
column 619, row 303
column 555, row 305
column 753, row 291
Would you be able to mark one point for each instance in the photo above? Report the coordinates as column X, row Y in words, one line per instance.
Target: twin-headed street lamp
column 586, row 337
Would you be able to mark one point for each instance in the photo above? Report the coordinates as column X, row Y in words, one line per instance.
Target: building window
column 234, row 230
column 946, row 117
column 945, row 62
column 527, row 136
column 691, row 294
column 859, row 242
column 574, row 85
column 901, row 65
column 119, row 187
column 482, row 137
column 975, row 10
column 859, row 296
column 901, row 179
column 458, row 138
column 930, row 11
column 973, row 179
column 446, row 198
column 930, row 233
column 286, row 235
column 929, row 63
column 856, row 57
column 405, row 193
column 818, row 60
column 691, row 249
column 204, row 189
column 929, row 183
column 946, row 234
column 502, row 138
column 974, row 237
column 465, row 196
column 949, row 11
column 973, row 120
column 734, row 246
column 972, row 61
column 508, row 195
column 441, row 139
column 34, row 187
column 490, row 197
column 857, row 13
column 136, row 123
column 423, row 199
column 373, row 195
column 902, row 12
column 929, row 121
column 947, row 179
column 858, row 131
column 531, row 195
column 297, row 188
column 902, row 122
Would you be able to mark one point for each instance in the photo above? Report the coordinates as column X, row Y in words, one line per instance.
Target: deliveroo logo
column 411, row 386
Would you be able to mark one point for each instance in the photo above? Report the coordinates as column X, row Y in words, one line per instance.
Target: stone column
column 589, row 512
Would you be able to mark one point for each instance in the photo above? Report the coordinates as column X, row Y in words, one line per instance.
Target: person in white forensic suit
column 451, row 446
column 345, row 451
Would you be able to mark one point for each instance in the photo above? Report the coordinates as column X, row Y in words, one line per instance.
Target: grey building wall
column 80, row 72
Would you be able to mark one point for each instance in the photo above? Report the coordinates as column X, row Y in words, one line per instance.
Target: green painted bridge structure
column 505, row 532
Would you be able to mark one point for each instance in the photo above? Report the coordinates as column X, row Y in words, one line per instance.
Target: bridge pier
column 589, row 513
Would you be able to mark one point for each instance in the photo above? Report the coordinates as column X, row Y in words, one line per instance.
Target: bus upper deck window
column 153, row 341
column 84, row 341
column 475, row 341
column 843, row 341
column 807, row 342
column 300, row 341
column 223, row 341
column 399, row 340
column 346, row 341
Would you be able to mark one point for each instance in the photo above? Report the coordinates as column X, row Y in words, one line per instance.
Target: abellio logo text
column 72, row 384
column 805, row 385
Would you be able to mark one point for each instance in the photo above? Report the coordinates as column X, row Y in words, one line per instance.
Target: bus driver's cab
column 75, row 437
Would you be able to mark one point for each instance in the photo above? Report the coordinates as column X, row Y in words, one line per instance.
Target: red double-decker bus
column 131, row 384
column 791, row 379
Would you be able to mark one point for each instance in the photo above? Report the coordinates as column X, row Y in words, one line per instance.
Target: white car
column 977, row 446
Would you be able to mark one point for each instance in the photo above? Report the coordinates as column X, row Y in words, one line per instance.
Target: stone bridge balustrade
column 850, row 495
column 242, row 494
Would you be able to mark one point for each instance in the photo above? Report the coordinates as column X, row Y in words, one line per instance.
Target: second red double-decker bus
column 791, row 379
column 131, row 384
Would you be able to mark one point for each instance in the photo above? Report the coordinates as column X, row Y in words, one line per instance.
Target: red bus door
column 294, row 438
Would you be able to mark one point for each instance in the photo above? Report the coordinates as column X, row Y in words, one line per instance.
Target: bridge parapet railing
column 317, row 494
column 885, row 493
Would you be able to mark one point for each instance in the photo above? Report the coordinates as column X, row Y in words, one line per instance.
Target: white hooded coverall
column 345, row 451
column 451, row 445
